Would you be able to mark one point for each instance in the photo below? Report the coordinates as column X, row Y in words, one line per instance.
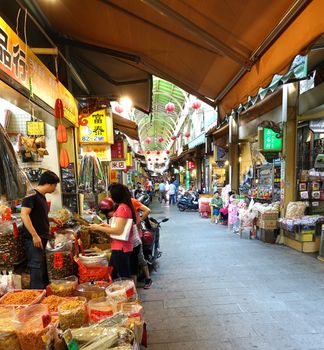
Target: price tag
column 97, row 315
column 58, row 260
column 70, row 341
column 130, row 292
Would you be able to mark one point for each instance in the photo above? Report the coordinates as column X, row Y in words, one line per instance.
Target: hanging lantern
column 158, row 152
column 169, row 107
column 148, row 140
column 61, row 135
column 164, row 158
column 64, row 159
column 167, row 152
column 149, row 159
column 148, row 152
column 58, row 109
column 187, row 134
column 196, row 104
column 173, row 137
column 157, row 159
column 161, row 139
column 119, row 109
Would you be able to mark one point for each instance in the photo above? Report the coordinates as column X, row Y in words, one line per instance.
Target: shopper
column 172, row 194
column 162, row 192
column 177, row 185
column 121, row 250
column 137, row 256
column 216, row 204
column 36, row 229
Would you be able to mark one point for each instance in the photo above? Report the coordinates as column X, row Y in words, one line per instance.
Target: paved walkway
column 216, row 291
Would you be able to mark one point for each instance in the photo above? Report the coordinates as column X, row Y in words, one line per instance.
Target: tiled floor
column 216, row 291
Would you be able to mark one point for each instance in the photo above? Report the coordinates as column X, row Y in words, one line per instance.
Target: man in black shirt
column 34, row 214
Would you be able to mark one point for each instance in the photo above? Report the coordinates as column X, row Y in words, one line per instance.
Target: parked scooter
column 151, row 239
column 144, row 198
column 189, row 201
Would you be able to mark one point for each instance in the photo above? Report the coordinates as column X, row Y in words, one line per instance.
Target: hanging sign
column 317, row 126
column 118, row 165
column 31, row 73
column 271, row 140
column 117, row 150
column 113, row 176
column 93, row 129
column 102, row 151
column 35, row 128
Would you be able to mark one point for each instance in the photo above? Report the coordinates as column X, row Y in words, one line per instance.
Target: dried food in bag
column 64, row 287
column 122, row 291
column 101, row 308
column 22, row 297
column 295, row 210
column 8, row 336
column 73, row 314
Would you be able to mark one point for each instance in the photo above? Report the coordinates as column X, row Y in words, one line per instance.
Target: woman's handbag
column 127, row 229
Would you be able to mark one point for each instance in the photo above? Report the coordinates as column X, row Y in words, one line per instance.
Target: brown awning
column 126, row 126
column 221, row 51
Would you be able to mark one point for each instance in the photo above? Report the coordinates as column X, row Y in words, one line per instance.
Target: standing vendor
column 34, row 214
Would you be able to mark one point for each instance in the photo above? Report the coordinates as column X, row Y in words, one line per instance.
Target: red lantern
column 149, row 159
column 148, row 152
column 157, row 159
column 119, row 109
column 58, row 109
column 196, row 104
column 169, row 107
column 148, row 140
column 164, row 158
column 173, row 137
column 158, row 152
column 161, row 139
column 187, row 134
column 167, row 152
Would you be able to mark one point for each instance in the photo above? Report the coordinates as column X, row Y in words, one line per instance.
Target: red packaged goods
column 94, row 273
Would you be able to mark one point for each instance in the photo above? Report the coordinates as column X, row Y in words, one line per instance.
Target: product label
column 58, row 260
column 97, row 315
column 130, row 292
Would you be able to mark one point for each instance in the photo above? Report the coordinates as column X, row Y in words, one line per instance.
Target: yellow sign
column 35, row 128
column 129, row 159
column 94, row 128
column 22, row 65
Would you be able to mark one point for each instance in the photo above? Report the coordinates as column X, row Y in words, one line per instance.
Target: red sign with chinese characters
column 191, row 165
column 117, row 150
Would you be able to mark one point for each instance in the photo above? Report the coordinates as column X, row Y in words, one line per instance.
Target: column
column 233, row 153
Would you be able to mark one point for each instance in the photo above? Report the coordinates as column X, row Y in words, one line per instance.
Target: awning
column 197, row 141
column 221, row 51
column 126, row 126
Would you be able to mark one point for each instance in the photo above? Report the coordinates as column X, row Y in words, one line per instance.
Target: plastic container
column 92, row 259
column 32, row 324
column 133, row 310
column 64, row 287
column 23, row 297
column 101, row 308
column 8, row 336
column 91, row 290
column 122, row 291
column 73, row 313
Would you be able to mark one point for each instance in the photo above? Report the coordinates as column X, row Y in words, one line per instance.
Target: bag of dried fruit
column 8, row 336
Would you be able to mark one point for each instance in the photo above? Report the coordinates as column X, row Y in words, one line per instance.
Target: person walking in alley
column 162, row 192
column 172, row 194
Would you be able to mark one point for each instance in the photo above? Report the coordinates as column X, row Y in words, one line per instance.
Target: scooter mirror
column 165, row 220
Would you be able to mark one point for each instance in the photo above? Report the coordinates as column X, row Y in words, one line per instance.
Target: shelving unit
column 311, row 191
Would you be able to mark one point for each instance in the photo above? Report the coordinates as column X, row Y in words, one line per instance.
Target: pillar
column 233, row 153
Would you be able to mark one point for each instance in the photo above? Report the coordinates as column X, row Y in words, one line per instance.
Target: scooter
column 189, row 201
column 144, row 198
column 151, row 240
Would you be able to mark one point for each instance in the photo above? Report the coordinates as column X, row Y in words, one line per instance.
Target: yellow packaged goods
column 72, row 314
column 23, row 297
column 53, row 301
column 8, row 336
column 64, row 287
column 295, row 210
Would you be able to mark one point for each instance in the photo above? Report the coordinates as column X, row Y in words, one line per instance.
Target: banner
column 23, row 66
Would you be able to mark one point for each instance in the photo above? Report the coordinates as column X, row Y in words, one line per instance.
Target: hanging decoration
column 187, row 134
column 148, row 152
column 158, row 152
column 148, row 140
column 157, row 159
column 62, row 135
column 64, row 158
column 167, row 152
column 173, row 137
column 149, row 159
column 119, row 109
column 59, row 109
column 169, row 107
column 196, row 104
column 164, row 158
column 160, row 139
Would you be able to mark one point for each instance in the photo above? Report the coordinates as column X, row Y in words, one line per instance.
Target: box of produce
column 267, row 224
column 22, row 297
column 270, row 215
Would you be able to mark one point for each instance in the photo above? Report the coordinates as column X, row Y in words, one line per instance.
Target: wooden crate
column 305, row 247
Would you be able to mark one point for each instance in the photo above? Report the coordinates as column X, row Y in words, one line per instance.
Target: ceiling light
column 126, row 102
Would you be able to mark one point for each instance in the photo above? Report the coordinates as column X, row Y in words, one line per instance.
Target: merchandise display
column 72, row 313
column 64, row 287
column 92, row 290
column 101, row 308
column 122, row 291
column 22, row 297
column 8, row 336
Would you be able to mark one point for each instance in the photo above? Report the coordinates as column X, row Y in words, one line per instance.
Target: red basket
column 94, row 273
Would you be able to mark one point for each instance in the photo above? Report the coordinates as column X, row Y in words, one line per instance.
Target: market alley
column 214, row 290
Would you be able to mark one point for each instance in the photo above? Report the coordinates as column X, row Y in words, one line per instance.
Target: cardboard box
column 267, row 224
column 305, row 247
column 272, row 215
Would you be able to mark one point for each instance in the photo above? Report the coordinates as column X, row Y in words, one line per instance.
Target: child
column 216, row 204
column 232, row 213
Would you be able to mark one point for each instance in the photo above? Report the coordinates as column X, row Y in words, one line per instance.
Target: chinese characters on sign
column 95, row 130
column 118, row 165
column 272, row 141
column 117, row 150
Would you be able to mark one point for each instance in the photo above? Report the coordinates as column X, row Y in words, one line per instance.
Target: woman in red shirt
column 121, row 250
